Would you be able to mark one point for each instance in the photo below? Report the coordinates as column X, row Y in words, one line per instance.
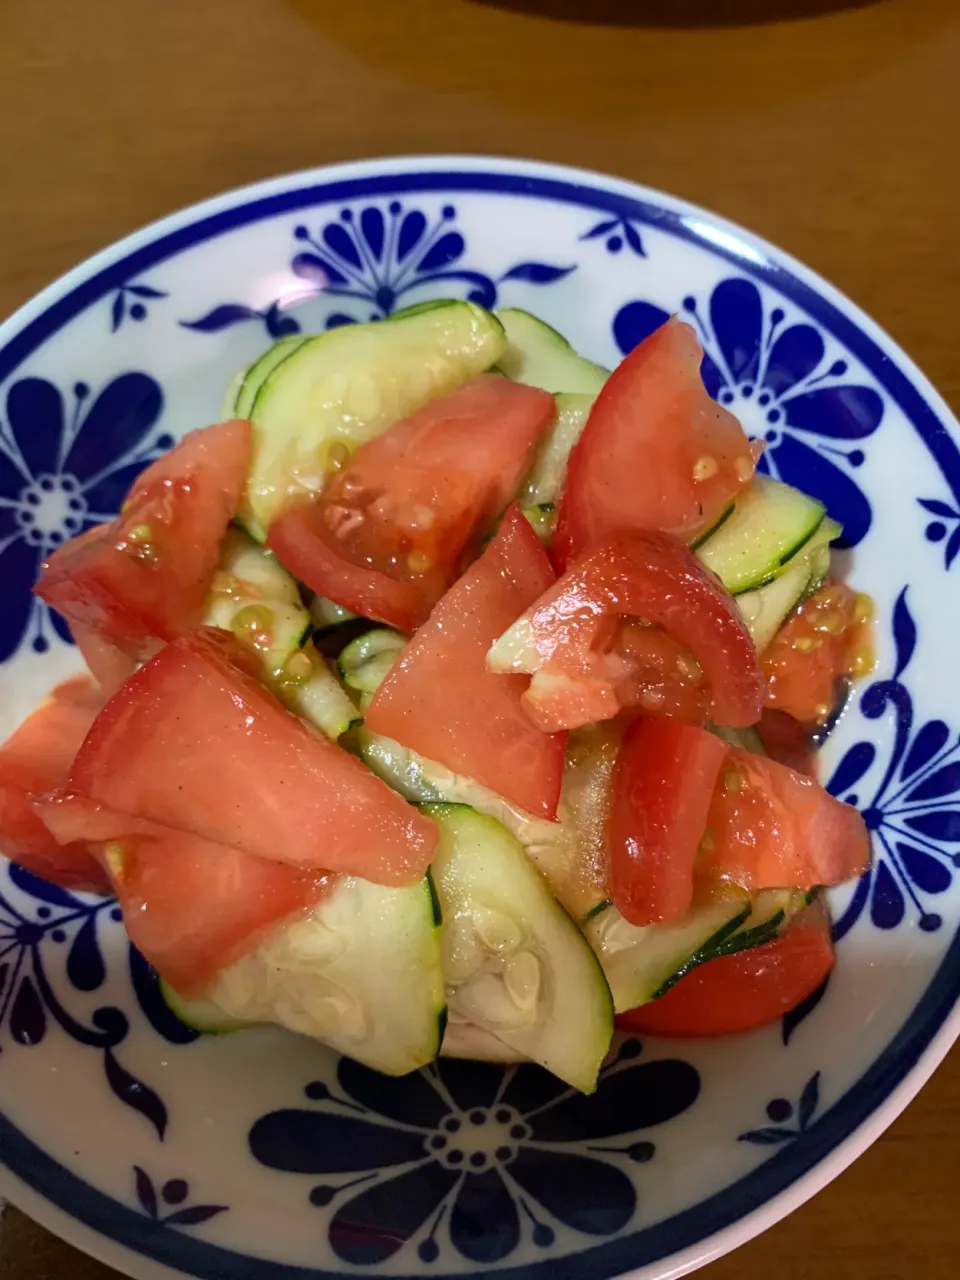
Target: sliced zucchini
column 546, row 477
column 642, row 962
column 316, row 695
column 201, row 1015
column 765, row 610
column 464, row 1040
column 325, row 615
column 542, row 520
column 253, row 596
column 769, row 524
column 399, row 767
column 362, row 974
column 514, row 962
column 253, row 377
column 770, row 911
column 344, row 387
column 540, row 357
column 365, row 662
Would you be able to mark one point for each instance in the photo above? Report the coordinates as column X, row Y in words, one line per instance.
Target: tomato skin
column 770, row 827
column 828, row 637
column 194, row 741
column 441, row 701
column 663, row 782
column 746, row 990
column 36, row 759
column 143, row 578
column 657, row 452
column 649, row 576
column 191, row 906
column 391, row 530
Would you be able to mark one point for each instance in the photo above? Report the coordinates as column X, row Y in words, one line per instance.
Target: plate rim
column 932, row 1025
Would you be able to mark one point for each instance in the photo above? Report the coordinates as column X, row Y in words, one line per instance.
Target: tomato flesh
column 698, row 661
column 663, row 782
column 788, row 741
column 194, row 741
column 191, row 906
column 36, row 759
column 392, row 529
column 770, row 827
column 442, row 702
column 746, row 990
column 657, row 452
column 142, row 579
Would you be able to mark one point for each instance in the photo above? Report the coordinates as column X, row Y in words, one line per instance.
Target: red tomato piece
column 194, row 741
column 393, row 529
column 657, row 452
column 143, row 578
column 662, row 785
column 38, row 758
column 744, row 990
column 587, row 667
column 827, row 638
column 191, row 906
column 772, row 828
column 442, row 702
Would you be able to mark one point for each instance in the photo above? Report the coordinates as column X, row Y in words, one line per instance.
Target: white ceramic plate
column 266, row 1156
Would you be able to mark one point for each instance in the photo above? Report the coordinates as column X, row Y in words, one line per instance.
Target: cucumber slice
column 765, row 610
column 542, row 520
column 362, row 974
column 325, row 615
column 569, row 853
column 317, row 696
column 201, row 1015
column 253, row 596
column 365, row 662
column 642, row 962
column 769, row 524
column 514, row 962
column 253, row 378
column 550, row 462
column 540, row 357
column 770, row 912
column 464, row 1040
column 344, row 387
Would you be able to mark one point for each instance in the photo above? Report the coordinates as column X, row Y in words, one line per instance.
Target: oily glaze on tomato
column 772, row 828
column 657, row 452
column 191, row 906
column 442, row 702
column 194, row 741
column 590, row 659
column 129, row 585
column 663, row 782
column 36, row 759
column 827, row 638
column 745, row 990
column 393, row 528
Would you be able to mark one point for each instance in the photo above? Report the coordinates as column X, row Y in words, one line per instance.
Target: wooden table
column 831, row 130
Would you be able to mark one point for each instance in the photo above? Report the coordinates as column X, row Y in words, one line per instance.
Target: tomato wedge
column 745, row 990
column 442, row 702
column 698, row 661
column 391, row 530
column 38, row 758
column 788, row 741
column 656, row 453
column 191, row 906
column 194, row 741
column 827, row 638
column 772, row 828
column 143, row 578
column 662, row 785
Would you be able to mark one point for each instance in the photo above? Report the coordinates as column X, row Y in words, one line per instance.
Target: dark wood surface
column 829, row 128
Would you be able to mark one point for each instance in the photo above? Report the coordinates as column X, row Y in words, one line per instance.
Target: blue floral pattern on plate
column 63, row 469
column 490, row 1153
